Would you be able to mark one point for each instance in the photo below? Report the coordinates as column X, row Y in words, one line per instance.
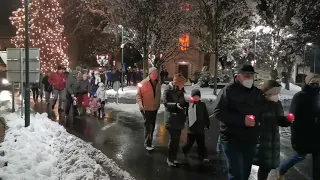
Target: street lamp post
column 314, row 55
column 122, row 52
column 27, row 89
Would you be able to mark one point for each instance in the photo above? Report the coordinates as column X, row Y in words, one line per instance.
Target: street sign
column 116, row 86
column 124, row 67
column 16, row 64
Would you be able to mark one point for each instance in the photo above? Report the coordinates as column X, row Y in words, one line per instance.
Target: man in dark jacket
column 239, row 107
column 305, row 130
column 72, row 87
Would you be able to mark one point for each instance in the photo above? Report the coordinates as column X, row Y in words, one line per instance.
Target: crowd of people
column 249, row 117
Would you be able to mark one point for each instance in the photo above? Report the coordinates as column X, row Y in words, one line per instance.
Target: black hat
column 195, row 92
column 245, row 69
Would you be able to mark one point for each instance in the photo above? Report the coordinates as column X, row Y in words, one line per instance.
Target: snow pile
column 129, row 108
column 44, row 150
column 288, row 94
column 130, row 92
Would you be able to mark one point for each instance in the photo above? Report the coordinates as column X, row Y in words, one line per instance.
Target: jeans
column 149, row 125
column 239, row 160
column 47, row 95
column 293, row 160
column 200, row 139
column 173, row 143
column 35, row 94
column 62, row 97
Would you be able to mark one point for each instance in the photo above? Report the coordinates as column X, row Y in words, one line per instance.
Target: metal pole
column 314, row 60
column 255, row 46
column 215, row 90
column 27, row 89
column 13, row 103
column 122, row 46
column 304, row 58
column 21, row 81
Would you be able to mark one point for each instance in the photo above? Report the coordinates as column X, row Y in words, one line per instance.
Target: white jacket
column 101, row 94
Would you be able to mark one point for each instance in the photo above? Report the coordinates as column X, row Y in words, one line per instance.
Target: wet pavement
column 120, row 137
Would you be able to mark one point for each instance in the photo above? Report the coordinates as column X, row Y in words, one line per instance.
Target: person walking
column 305, row 130
column 35, row 92
column 148, row 99
column 198, row 121
column 239, row 108
column 268, row 149
column 47, row 87
column 72, row 88
column 58, row 82
column 175, row 115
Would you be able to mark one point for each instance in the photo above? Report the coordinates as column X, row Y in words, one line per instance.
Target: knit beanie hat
column 152, row 69
column 178, row 79
column 310, row 76
column 195, row 92
column 271, row 87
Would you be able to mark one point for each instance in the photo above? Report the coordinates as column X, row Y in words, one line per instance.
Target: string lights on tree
column 45, row 32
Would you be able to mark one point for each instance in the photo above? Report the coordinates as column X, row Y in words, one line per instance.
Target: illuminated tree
column 45, row 32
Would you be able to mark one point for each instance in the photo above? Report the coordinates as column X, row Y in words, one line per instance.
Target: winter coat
column 268, row 148
column 47, row 85
column 34, row 86
column 94, row 83
column 202, row 117
column 109, row 76
column 305, row 130
column 101, row 94
column 72, row 85
column 174, row 117
column 149, row 95
column 94, row 101
column 234, row 102
column 58, row 80
column 84, row 86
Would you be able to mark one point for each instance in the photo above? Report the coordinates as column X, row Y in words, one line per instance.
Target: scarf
column 192, row 114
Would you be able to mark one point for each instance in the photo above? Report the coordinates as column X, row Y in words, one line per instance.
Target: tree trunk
column 288, row 75
column 274, row 74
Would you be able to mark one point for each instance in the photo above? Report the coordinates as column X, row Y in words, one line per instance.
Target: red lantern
column 290, row 117
column 252, row 117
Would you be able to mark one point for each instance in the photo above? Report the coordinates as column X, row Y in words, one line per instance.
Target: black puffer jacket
column 234, row 102
column 174, row 117
column 305, row 130
column 268, row 149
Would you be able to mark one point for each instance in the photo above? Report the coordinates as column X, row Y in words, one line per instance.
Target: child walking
column 198, row 120
column 101, row 94
column 83, row 97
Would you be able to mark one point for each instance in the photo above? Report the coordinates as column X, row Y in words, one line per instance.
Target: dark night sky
column 5, row 11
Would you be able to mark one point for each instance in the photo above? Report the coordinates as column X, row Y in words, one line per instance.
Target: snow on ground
column 130, row 92
column 206, row 93
column 45, row 150
column 129, row 108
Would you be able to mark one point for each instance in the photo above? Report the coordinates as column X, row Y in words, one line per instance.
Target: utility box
column 16, row 65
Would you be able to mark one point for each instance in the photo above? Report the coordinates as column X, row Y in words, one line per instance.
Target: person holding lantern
column 148, row 99
column 305, row 130
column 268, row 149
column 239, row 109
column 198, row 121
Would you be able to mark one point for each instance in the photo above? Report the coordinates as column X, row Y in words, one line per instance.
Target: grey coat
column 84, row 86
column 174, row 117
column 72, row 85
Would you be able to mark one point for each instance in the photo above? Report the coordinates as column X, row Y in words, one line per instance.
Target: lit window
column 184, row 41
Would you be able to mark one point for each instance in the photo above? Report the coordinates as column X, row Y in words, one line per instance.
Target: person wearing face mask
column 305, row 130
column 239, row 108
column 268, row 149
